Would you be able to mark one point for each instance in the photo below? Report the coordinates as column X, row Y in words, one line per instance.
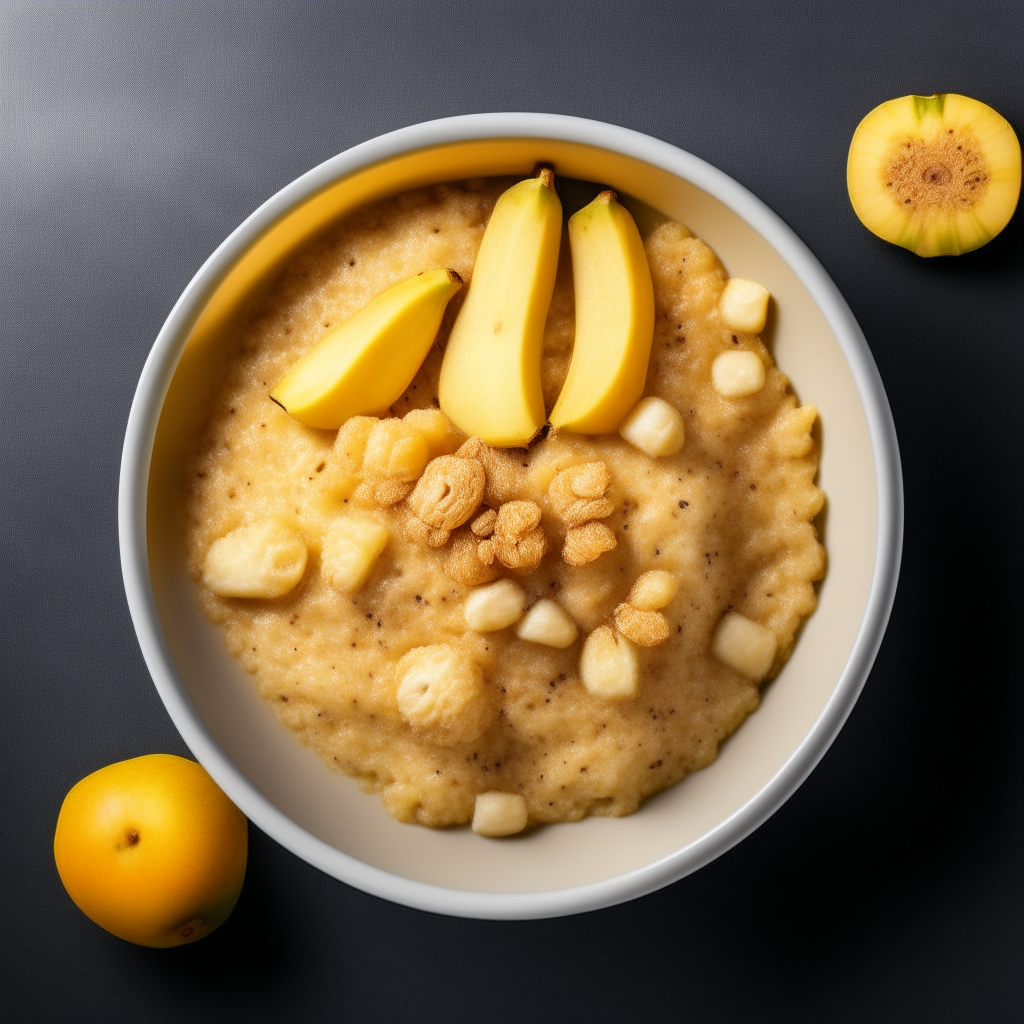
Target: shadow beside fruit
column 257, row 951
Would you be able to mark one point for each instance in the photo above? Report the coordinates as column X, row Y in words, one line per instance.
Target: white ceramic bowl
column 562, row 869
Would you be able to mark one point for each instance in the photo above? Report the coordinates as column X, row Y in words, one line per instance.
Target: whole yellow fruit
column 151, row 850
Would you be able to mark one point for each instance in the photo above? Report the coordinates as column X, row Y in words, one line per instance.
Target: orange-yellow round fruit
column 152, row 850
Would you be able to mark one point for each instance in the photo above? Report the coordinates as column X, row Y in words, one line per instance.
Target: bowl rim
column 134, row 482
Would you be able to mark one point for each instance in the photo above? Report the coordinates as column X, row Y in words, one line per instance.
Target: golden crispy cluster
column 448, row 493
column 464, row 565
column 518, row 541
column 639, row 617
column 577, row 496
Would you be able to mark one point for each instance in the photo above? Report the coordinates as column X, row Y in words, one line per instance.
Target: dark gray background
column 134, row 137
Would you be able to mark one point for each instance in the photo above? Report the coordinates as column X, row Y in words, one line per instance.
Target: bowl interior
column 331, row 807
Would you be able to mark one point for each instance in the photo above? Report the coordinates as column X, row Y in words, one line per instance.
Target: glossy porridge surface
column 730, row 516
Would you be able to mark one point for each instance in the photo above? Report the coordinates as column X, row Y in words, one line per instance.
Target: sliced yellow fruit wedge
column 939, row 175
column 364, row 364
column 614, row 319
column 490, row 378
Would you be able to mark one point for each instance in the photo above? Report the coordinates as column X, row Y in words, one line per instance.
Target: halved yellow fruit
column 490, row 378
column 614, row 319
column 364, row 364
column 939, row 175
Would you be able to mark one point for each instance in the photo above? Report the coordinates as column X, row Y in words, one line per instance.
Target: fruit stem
column 929, row 106
column 608, row 196
column 547, row 177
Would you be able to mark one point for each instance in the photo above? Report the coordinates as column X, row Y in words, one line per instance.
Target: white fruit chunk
column 608, row 665
column 351, row 548
column 495, row 606
column 499, row 814
column 547, row 622
column 441, row 694
column 744, row 645
column 737, row 374
column 744, row 305
column 653, row 590
column 264, row 559
column 655, row 427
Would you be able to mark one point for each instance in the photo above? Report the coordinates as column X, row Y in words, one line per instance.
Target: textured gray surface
column 134, row 137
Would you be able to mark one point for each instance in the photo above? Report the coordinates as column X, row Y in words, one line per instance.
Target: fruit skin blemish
column 938, row 175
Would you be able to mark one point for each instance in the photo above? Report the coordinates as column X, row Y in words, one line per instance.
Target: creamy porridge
column 725, row 527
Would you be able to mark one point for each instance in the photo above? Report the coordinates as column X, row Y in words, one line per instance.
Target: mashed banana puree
column 728, row 521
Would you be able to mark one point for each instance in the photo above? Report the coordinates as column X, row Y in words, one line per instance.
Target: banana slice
column 364, row 365
column 614, row 319
column 490, row 378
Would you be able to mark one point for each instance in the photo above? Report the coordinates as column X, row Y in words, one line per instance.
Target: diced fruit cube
column 495, row 606
column 547, row 622
column 737, row 374
column 744, row 645
column 264, row 559
column 744, row 305
column 499, row 814
column 441, row 694
column 655, row 427
column 653, row 590
column 441, row 437
column 351, row 548
column 608, row 665
column 395, row 450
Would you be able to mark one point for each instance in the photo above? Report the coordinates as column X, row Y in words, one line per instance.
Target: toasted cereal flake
column 449, row 491
column 441, row 436
column 518, row 541
column 585, row 543
column 646, row 628
column 394, row 451
column 464, row 565
column 577, row 494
